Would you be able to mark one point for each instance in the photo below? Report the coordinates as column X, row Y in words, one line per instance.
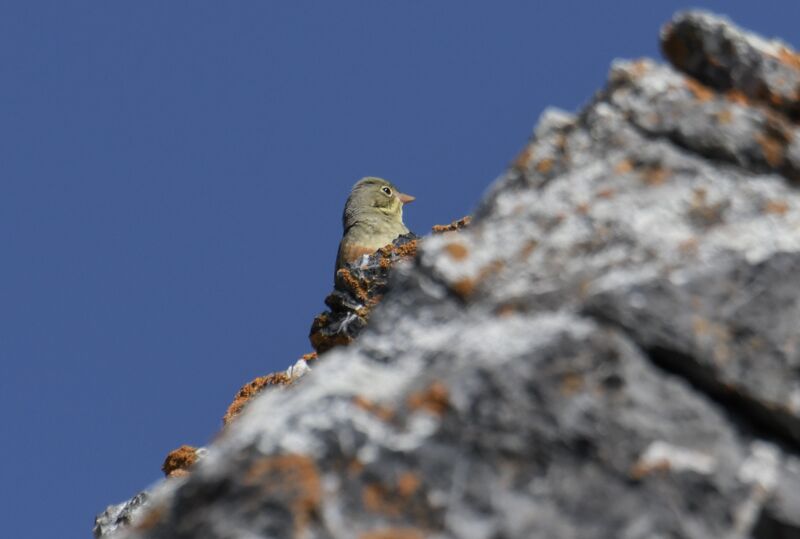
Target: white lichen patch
column 660, row 454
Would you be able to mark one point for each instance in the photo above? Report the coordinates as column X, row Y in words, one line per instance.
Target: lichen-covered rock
column 274, row 380
column 741, row 64
column 179, row 461
column 250, row 390
column 455, row 226
column 611, row 349
column 119, row 516
column 358, row 287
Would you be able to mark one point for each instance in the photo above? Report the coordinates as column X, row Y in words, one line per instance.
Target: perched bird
column 373, row 218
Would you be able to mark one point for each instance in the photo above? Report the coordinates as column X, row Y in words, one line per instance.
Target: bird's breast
column 366, row 238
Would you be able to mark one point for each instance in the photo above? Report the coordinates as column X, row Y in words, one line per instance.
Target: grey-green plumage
column 373, row 218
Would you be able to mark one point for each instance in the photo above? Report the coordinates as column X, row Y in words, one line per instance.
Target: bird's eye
column 386, row 191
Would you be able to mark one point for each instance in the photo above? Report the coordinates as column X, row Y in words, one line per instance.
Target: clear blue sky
column 172, row 176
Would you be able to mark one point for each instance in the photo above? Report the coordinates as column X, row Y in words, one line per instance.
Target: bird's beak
column 405, row 199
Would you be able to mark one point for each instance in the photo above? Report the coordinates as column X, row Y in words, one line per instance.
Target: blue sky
column 172, row 176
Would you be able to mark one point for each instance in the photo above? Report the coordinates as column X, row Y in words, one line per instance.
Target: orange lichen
column 435, row 399
column 641, row 469
column 179, row 460
column 456, row 250
column 689, row 246
column 544, row 166
column 524, row 157
column 392, row 252
column 291, row 479
column 699, row 195
column 789, row 58
column 776, row 207
column 736, row 96
column 383, row 412
column 582, row 208
column 323, row 342
column 392, row 500
column 623, row 167
column 772, row 148
column 250, row 390
column 639, row 67
column 377, row 498
column 322, row 319
column 356, row 286
column 455, row 225
column 561, row 142
column 720, row 333
column 701, row 92
column 584, row 288
column 724, row 116
column 309, row 357
column 700, row 326
column 774, row 99
column 571, row 383
column 408, row 483
column 527, row 250
column 703, row 212
column 506, row 310
column 655, row 175
column 393, row 533
column 464, row 287
column 355, row 467
column 408, row 249
column 491, row 268
column 606, row 193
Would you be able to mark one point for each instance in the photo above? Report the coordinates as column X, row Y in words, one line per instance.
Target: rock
column 610, row 349
column 180, row 460
column 358, row 287
column 275, row 379
column 712, row 50
column 118, row 516
column 455, row 226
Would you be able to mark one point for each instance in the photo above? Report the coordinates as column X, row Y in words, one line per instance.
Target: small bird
column 373, row 218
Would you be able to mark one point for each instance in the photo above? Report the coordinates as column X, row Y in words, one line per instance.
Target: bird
column 372, row 218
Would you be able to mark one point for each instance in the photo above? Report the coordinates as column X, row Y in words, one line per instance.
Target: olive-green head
column 374, row 198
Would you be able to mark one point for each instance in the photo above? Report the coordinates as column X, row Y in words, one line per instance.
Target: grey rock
column 118, row 516
column 779, row 518
column 711, row 49
column 610, row 350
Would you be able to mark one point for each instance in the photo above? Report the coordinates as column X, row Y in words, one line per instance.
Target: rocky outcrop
column 358, row 287
column 611, row 349
column 118, row 517
column 179, row 461
column 272, row 380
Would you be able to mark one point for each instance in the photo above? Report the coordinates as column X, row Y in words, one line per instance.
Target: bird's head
column 375, row 196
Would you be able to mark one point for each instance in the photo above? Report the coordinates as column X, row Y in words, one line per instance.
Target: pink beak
column 405, row 199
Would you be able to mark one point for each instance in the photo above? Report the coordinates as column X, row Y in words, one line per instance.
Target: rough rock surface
column 117, row 517
column 179, row 461
column 358, row 288
column 272, row 380
column 611, row 349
